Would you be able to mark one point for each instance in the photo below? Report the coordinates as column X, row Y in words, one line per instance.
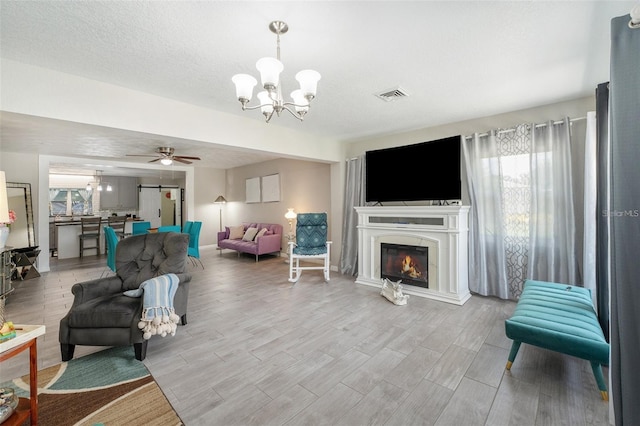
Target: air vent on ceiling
column 392, row 94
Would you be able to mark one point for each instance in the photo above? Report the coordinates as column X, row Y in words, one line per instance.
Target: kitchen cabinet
column 124, row 194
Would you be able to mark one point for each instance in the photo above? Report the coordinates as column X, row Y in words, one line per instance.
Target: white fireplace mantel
column 444, row 229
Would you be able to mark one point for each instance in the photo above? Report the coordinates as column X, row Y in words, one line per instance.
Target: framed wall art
column 271, row 188
column 252, row 186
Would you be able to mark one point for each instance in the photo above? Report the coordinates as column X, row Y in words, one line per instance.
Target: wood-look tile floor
column 259, row 351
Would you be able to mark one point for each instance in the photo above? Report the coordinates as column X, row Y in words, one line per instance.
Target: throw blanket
column 158, row 314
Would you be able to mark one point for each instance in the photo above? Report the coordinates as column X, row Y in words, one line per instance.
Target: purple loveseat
column 271, row 242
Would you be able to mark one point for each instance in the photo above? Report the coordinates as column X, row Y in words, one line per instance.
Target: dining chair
column 138, row 227
column 186, row 228
column 193, row 229
column 169, row 228
column 118, row 224
column 90, row 227
column 111, row 240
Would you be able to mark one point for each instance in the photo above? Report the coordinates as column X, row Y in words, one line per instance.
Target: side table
column 26, row 338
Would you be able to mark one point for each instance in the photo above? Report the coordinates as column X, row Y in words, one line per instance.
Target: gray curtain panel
column 602, row 205
column 625, row 220
column 354, row 196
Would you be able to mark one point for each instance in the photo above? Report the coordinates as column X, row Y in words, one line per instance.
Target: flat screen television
column 422, row 171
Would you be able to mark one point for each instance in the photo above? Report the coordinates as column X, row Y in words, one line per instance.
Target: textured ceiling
column 456, row 60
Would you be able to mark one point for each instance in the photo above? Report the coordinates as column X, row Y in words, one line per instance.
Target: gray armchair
column 101, row 315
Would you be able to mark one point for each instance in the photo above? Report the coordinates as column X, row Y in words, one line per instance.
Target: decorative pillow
column 261, row 232
column 249, row 234
column 236, row 232
column 269, row 232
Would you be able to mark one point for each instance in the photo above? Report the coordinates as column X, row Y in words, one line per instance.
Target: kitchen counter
column 76, row 220
column 68, row 229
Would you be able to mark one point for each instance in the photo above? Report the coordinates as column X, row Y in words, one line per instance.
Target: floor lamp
column 220, row 200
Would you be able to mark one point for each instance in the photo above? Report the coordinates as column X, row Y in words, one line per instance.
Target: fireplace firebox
column 407, row 263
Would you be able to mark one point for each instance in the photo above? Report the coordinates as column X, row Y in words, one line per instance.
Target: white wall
column 209, row 183
column 572, row 108
column 32, row 90
column 305, row 186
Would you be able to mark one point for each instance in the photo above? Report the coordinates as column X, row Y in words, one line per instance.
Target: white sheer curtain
column 487, row 266
column 552, row 250
column 522, row 218
column 590, row 209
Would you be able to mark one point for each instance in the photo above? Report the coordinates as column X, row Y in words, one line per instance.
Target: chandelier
column 270, row 99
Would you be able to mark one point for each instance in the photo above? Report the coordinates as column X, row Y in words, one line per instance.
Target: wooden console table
column 26, row 337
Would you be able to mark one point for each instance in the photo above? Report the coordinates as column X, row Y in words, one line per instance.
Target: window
column 520, row 185
column 70, row 201
column 516, row 193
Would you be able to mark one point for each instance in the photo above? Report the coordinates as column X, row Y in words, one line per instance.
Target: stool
column 90, row 231
column 118, row 224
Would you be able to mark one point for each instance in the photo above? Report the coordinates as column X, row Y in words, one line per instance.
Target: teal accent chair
column 111, row 240
column 138, row 228
column 193, row 229
column 169, row 228
column 311, row 243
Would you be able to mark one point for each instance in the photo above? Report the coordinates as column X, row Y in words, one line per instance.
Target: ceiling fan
column 166, row 156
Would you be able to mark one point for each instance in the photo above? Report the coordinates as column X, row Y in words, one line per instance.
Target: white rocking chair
column 311, row 243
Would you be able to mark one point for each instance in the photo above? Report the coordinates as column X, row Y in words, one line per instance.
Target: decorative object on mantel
column 271, row 99
column 392, row 291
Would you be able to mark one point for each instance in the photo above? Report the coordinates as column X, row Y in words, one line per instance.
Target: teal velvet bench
column 561, row 318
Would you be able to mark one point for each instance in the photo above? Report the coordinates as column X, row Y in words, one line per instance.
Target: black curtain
column 624, row 219
column 602, row 200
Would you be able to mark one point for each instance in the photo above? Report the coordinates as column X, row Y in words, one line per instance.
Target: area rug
column 107, row 388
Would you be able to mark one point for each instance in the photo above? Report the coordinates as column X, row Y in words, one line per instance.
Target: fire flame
column 409, row 268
